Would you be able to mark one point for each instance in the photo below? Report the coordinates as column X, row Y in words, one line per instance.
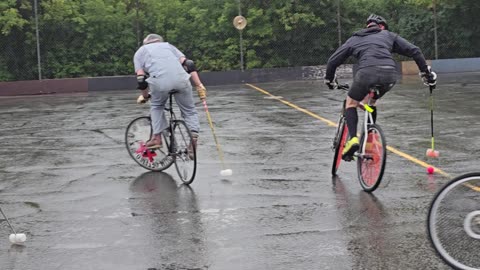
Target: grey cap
column 152, row 38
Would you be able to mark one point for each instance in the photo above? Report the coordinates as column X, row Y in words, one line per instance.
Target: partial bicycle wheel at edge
column 138, row 132
column 371, row 166
column 185, row 152
column 338, row 144
column 453, row 222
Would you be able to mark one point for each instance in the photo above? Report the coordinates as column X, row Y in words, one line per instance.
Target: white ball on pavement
column 226, row 172
column 17, row 238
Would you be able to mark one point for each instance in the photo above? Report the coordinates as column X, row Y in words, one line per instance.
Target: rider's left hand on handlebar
column 332, row 84
column 142, row 99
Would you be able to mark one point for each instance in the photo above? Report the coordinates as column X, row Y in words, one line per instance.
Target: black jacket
column 374, row 47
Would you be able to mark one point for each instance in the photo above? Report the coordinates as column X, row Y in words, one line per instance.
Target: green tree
column 81, row 38
column 15, row 43
column 87, row 38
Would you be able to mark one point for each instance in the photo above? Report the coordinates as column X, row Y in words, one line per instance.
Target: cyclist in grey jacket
column 161, row 68
column 373, row 48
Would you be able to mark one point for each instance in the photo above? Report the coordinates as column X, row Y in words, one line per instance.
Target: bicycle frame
column 171, row 147
column 368, row 118
column 178, row 148
column 370, row 160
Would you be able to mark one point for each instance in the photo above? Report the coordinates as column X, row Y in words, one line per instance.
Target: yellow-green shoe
column 351, row 147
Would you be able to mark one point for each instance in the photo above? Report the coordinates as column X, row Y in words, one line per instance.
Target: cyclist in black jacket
column 373, row 48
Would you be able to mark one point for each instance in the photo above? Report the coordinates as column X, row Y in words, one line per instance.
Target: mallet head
column 226, row 172
column 433, row 153
column 17, row 238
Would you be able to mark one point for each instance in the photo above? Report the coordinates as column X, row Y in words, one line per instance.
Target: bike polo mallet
column 431, row 152
column 15, row 238
column 223, row 172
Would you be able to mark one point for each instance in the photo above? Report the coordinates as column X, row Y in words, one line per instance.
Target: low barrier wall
column 456, row 65
column 444, row 66
column 20, row 88
column 93, row 84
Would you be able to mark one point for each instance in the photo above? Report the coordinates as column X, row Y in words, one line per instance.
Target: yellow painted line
column 330, row 123
column 415, row 160
column 475, row 188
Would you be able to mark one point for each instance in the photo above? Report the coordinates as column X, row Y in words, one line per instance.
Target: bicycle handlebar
column 344, row 86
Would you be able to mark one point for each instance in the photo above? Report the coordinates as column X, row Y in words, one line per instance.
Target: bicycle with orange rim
column 372, row 156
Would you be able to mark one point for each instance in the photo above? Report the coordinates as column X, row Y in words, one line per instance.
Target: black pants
column 367, row 77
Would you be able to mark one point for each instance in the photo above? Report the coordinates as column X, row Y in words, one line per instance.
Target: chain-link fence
column 44, row 39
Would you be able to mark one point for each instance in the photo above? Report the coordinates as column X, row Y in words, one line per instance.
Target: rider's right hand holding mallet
column 202, row 94
column 430, row 79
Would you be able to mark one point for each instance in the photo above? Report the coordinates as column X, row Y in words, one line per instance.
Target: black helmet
column 378, row 20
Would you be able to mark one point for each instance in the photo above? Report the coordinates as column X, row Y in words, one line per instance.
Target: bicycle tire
column 453, row 222
column 370, row 168
column 339, row 143
column 138, row 132
column 185, row 152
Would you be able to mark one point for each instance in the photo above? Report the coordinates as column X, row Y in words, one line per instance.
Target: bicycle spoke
column 372, row 164
column 454, row 222
column 185, row 154
column 138, row 132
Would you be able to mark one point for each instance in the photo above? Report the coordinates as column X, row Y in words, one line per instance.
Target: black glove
column 332, row 84
column 429, row 77
column 142, row 82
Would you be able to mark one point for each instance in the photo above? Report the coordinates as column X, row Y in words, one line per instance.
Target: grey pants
column 183, row 97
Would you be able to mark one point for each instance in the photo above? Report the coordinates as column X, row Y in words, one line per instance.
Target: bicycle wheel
column 339, row 143
column 454, row 222
column 138, row 132
column 371, row 165
column 185, row 152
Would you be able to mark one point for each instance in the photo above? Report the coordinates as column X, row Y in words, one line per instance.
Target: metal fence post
column 241, row 37
column 435, row 28
column 339, row 24
column 137, row 23
column 37, row 34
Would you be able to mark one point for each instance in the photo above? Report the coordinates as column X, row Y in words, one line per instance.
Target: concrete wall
column 456, row 65
column 225, row 77
column 42, row 87
column 411, row 68
column 444, row 66
column 129, row 82
column 36, row 87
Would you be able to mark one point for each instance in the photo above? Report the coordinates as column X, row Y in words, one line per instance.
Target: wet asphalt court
column 68, row 182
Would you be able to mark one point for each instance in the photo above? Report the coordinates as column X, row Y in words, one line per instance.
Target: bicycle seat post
column 374, row 94
column 169, row 105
